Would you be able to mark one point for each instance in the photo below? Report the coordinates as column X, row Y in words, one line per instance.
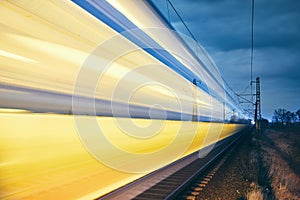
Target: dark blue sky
column 223, row 28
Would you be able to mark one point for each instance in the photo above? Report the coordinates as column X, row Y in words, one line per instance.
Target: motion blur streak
column 44, row 47
column 42, row 156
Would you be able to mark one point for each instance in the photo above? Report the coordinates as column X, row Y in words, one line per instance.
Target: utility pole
column 257, row 116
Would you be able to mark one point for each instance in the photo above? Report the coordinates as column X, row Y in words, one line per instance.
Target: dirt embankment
column 280, row 153
column 264, row 166
column 242, row 176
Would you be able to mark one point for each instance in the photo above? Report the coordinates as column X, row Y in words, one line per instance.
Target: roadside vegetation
column 264, row 165
column 278, row 147
column 285, row 117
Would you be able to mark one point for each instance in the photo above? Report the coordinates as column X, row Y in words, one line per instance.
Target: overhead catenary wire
column 169, row 18
column 192, row 35
column 252, row 44
column 182, row 20
column 236, row 95
column 252, row 48
column 251, row 103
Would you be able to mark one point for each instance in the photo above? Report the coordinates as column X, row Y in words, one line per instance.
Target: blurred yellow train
column 96, row 94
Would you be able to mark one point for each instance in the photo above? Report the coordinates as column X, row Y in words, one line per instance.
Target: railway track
column 192, row 190
column 183, row 179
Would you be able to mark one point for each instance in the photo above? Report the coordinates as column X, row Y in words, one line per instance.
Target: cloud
column 223, row 28
column 278, row 69
column 226, row 25
column 216, row 23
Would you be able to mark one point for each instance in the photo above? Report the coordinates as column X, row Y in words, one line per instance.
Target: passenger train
column 96, row 94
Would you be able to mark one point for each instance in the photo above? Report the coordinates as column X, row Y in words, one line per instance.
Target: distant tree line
column 284, row 116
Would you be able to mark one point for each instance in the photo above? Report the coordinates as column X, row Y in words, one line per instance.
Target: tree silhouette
column 292, row 117
column 298, row 114
column 284, row 116
column 281, row 114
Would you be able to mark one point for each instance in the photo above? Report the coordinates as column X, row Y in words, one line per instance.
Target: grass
column 255, row 194
column 280, row 155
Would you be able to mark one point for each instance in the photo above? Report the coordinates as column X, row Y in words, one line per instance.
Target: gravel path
column 235, row 177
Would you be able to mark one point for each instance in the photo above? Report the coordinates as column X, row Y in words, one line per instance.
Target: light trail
column 57, row 59
column 42, row 155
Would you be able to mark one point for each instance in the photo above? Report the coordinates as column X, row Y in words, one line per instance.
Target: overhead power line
column 182, row 20
column 252, row 49
column 252, row 43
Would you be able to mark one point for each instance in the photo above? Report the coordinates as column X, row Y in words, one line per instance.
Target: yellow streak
column 68, row 54
column 16, row 57
column 7, row 110
column 43, row 157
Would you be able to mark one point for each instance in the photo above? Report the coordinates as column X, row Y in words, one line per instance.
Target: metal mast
column 257, row 116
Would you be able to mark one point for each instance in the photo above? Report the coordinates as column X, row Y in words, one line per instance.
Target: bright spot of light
column 8, row 110
column 57, row 50
column 16, row 57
